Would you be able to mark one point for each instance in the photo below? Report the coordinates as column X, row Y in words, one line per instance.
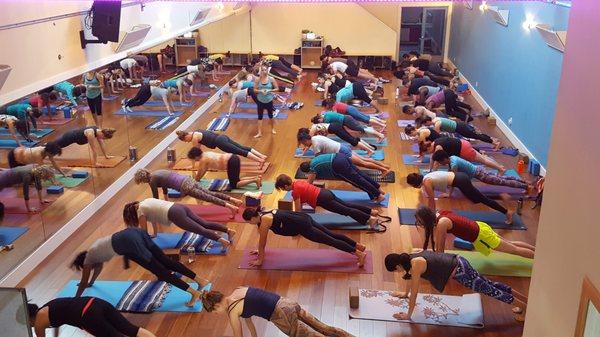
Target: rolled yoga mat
column 497, row 263
column 8, row 235
column 221, row 185
column 377, row 155
column 114, row 291
column 38, row 133
column 147, row 113
column 247, row 166
column 356, row 197
column 251, row 115
column 182, row 240
column 338, row 221
column 375, row 175
column 461, row 311
column 321, row 260
column 492, row 218
column 216, row 213
column 369, row 140
column 162, row 123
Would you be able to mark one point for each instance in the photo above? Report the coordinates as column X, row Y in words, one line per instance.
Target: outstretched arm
column 85, row 275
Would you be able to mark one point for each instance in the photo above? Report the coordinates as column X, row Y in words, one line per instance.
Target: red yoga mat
column 15, row 205
column 324, row 260
column 216, row 213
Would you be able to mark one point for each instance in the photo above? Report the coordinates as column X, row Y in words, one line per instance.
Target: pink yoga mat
column 216, row 213
column 324, row 260
column 15, row 205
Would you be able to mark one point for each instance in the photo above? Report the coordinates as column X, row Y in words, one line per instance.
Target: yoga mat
column 216, row 213
column 508, row 173
column 491, row 191
column 109, row 98
column 404, row 136
column 112, row 291
column 369, row 140
column 68, row 182
column 200, row 94
column 338, row 221
column 218, row 124
column 185, row 164
column 356, row 197
column 252, row 105
column 377, row 155
column 162, row 123
column 497, row 263
column 462, row 311
column 322, row 260
column 250, row 115
column 9, row 235
column 87, row 162
column 16, row 205
column 162, row 104
column 147, row 113
column 375, row 175
column 405, row 122
column 56, row 120
column 11, row 143
column 39, row 133
column 409, row 159
column 492, row 218
column 170, row 241
column 267, row 187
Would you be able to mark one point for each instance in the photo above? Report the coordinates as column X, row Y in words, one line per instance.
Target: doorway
column 423, row 29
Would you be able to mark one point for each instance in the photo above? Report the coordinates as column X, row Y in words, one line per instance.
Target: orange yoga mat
column 81, row 156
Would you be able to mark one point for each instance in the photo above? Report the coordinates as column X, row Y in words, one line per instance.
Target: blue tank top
column 170, row 84
column 322, row 166
column 259, row 303
column 91, row 93
column 247, row 84
column 262, row 97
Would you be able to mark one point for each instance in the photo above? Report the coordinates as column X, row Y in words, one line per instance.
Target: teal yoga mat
column 409, row 159
column 112, row 291
column 11, row 143
column 378, row 155
column 369, row 140
column 356, row 197
column 39, row 133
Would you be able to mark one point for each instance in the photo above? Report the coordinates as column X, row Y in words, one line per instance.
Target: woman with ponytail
column 438, row 269
column 286, row 314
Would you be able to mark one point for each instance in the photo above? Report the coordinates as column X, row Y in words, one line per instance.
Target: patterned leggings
column 485, row 176
column 470, row 278
column 294, row 321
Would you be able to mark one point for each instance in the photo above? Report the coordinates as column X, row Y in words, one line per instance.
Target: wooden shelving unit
column 310, row 52
column 186, row 49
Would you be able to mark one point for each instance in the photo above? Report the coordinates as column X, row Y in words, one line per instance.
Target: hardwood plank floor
column 323, row 294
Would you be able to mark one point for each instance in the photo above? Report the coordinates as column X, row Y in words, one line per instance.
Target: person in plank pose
column 481, row 235
column 305, row 193
column 148, row 91
column 136, row 245
column 14, row 125
column 439, row 269
column 90, row 135
column 92, row 314
column 460, row 148
column 339, row 166
column 290, row 223
column 454, row 107
column 21, row 156
column 25, row 176
column 166, row 179
column 441, row 180
column 221, row 162
column 348, row 122
column 337, row 129
column 284, row 313
column 441, row 124
column 352, row 111
column 161, row 212
column 213, row 140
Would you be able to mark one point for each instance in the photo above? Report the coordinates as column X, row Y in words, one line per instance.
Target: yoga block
column 462, row 244
column 286, row 205
column 80, row 174
column 534, row 167
column 52, row 111
column 55, row 189
column 251, row 202
column 462, row 87
column 307, row 209
column 319, row 184
column 172, row 253
column 382, row 101
column 173, row 193
column 353, row 296
column 491, row 120
column 67, row 112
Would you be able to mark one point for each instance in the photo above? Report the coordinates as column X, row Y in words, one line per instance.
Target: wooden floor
column 323, row 294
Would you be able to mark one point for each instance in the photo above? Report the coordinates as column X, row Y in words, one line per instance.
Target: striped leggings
column 470, row 278
column 487, row 177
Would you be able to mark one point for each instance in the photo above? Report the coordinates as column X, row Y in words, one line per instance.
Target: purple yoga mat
column 383, row 115
column 201, row 94
column 491, row 191
column 323, row 260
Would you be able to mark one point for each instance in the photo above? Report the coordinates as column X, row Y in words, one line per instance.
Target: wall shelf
column 310, row 53
column 499, row 15
column 554, row 39
column 186, row 49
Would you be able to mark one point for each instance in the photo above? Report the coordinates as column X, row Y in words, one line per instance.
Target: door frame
column 424, row 22
column 447, row 26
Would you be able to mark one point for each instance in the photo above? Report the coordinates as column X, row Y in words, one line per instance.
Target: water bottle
column 220, row 98
column 191, row 253
column 171, row 155
column 397, row 92
column 133, row 153
column 520, row 206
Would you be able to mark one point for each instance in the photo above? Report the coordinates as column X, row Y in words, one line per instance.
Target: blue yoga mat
column 218, row 124
column 369, row 140
column 109, row 98
column 11, row 143
column 508, row 173
column 170, row 240
column 492, row 218
column 112, row 291
column 409, row 159
column 252, row 105
column 357, row 197
column 39, row 133
column 9, row 235
column 161, row 103
column 147, row 113
column 337, row 221
column 378, row 155
column 162, row 123
column 251, row 115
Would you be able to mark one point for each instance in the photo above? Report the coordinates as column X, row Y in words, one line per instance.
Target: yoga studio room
column 307, row 168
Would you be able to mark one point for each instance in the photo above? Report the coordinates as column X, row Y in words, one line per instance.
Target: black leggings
column 359, row 92
column 278, row 64
column 437, row 79
column 142, row 96
column 163, row 267
column 318, row 233
column 468, row 131
column 435, row 68
column 95, row 105
column 12, row 161
column 184, row 218
column 463, row 183
column 225, row 144
column 261, row 107
column 330, row 202
column 281, row 77
column 233, row 171
column 338, row 130
column 103, row 320
column 455, row 108
column 352, row 124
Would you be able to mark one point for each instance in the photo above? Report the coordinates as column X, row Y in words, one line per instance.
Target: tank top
column 308, row 193
column 67, row 311
column 439, row 180
column 209, row 138
column 439, row 268
column 462, row 227
column 170, row 84
column 333, row 117
column 432, row 90
column 433, row 135
column 94, row 92
column 288, row 223
column 265, row 98
column 258, row 302
column 447, row 125
column 452, row 146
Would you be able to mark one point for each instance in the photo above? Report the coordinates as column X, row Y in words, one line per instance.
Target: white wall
column 32, row 51
column 567, row 241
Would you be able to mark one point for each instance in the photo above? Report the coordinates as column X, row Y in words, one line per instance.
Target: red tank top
column 340, row 107
column 462, row 227
column 307, row 193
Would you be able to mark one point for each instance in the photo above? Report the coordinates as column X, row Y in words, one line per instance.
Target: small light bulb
column 483, row 6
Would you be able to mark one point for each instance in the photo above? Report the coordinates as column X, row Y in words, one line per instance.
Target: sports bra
column 257, row 302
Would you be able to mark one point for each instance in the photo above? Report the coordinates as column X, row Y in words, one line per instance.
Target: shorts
column 466, row 151
column 346, row 149
column 233, row 171
column 487, row 240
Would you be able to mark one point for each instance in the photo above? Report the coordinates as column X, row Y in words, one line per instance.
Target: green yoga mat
column 497, row 263
column 267, row 187
column 68, row 182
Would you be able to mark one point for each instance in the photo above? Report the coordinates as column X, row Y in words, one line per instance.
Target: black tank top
column 340, row 82
column 261, row 303
column 209, row 138
column 67, row 310
column 439, row 267
column 452, row 146
column 76, row 136
column 288, row 223
column 433, row 135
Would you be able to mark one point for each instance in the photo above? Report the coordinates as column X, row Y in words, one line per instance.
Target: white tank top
column 439, row 180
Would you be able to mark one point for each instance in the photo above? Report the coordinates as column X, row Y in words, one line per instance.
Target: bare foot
column 497, row 144
column 509, row 217
column 259, row 182
column 501, row 171
column 225, row 244
column 374, row 212
column 258, row 135
column 273, row 131
column 361, row 247
column 195, row 297
column 361, row 258
column 380, row 198
column 372, row 222
column 201, row 282
column 517, row 310
column 231, row 233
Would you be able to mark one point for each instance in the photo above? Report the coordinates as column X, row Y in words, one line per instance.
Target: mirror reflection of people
column 91, row 135
column 21, row 156
column 25, row 176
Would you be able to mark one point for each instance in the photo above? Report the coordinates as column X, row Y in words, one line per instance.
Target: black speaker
column 106, row 17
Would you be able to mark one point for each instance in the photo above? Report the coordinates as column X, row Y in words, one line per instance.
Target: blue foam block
column 173, row 193
column 251, row 202
column 53, row 189
column 462, row 87
column 80, row 174
column 9, row 235
column 463, row 244
column 534, row 167
column 67, row 112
